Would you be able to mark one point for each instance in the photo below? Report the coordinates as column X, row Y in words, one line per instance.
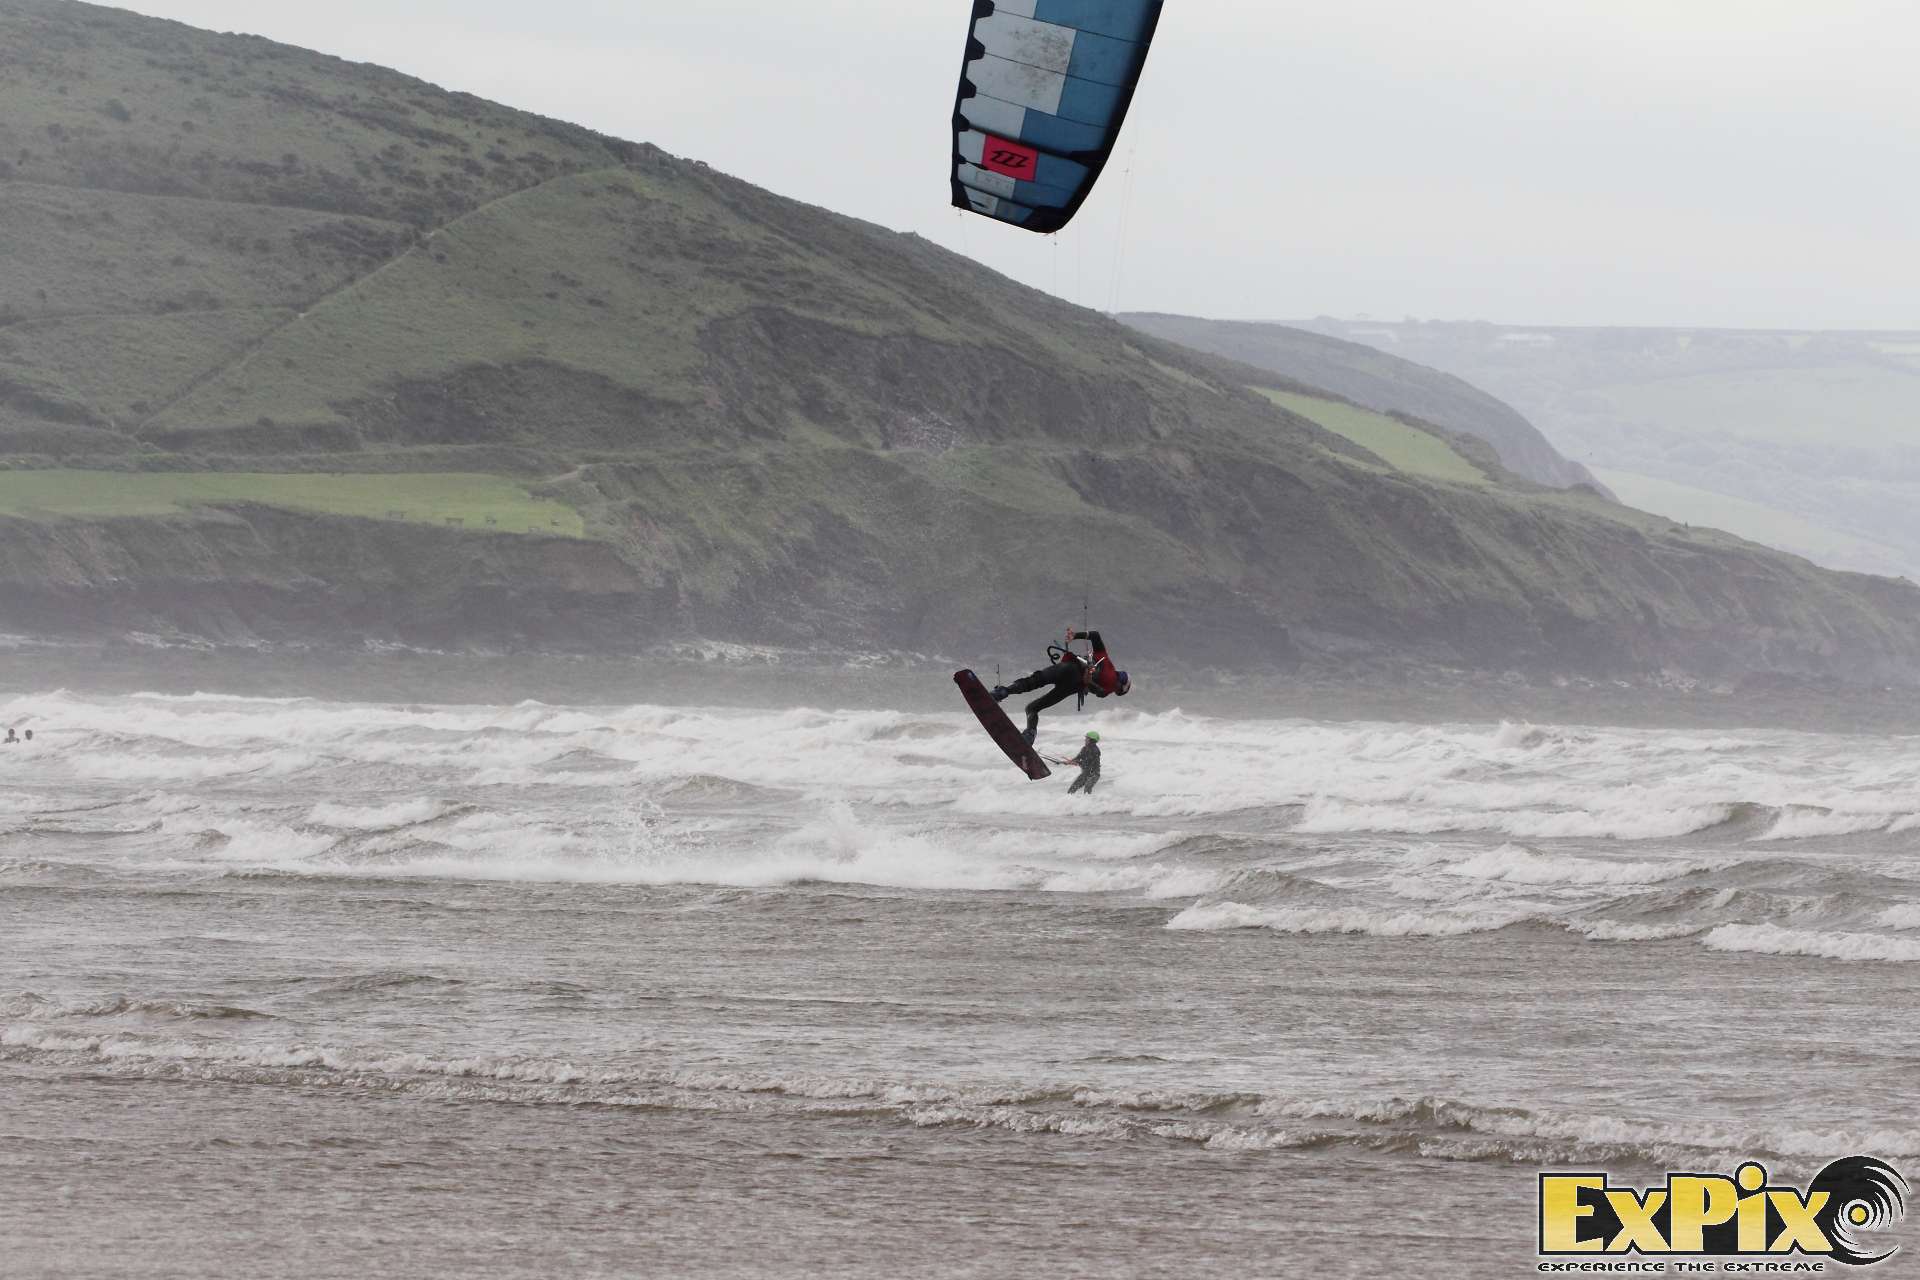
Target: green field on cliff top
column 472, row 501
column 1401, row 447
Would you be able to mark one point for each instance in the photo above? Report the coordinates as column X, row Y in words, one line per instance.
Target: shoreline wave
column 1235, row 1121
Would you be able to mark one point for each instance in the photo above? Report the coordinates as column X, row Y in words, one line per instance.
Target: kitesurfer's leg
column 1083, row 783
column 1038, row 680
column 1061, row 691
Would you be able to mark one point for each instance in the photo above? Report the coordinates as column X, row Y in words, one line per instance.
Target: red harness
column 1101, row 678
column 1098, row 675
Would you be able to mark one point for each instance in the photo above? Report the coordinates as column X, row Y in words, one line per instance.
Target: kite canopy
column 1043, row 92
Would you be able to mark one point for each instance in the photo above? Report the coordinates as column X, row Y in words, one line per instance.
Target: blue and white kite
column 1043, row 92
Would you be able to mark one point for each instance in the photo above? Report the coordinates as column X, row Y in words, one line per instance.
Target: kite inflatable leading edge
column 1043, row 92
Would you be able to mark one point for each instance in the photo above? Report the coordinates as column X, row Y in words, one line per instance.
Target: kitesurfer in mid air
column 1070, row 675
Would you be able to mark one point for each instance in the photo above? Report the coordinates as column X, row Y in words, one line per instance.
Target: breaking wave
column 1292, row 827
column 1517, row 865
column 1211, row 917
column 1768, row 939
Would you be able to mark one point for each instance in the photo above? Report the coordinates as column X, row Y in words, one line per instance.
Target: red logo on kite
column 998, row 155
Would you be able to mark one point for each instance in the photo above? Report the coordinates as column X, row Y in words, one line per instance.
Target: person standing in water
column 1089, row 762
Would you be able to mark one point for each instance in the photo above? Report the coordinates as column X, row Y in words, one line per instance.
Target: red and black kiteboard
column 999, row 728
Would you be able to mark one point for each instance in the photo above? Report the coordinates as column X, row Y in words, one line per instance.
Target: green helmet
column 1093, row 735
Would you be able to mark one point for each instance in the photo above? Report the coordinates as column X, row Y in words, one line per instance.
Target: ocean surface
column 293, row 987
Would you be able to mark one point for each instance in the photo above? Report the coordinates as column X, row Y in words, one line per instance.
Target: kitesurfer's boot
column 1000, row 692
column 1032, row 731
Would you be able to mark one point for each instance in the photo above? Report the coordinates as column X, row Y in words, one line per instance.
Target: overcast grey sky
column 1714, row 162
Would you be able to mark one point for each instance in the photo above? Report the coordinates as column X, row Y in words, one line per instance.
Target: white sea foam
column 849, row 797
column 521, row 776
column 1624, row 931
column 1803, row 823
column 225, row 699
column 1768, row 939
column 1596, row 1131
column 158, row 766
column 1214, row 916
column 1510, row 736
column 1520, row 781
column 1904, row 915
column 1155, row 881
column 376, row 817
column 1615, row 821
column 838, row 845
column 254, row 841
column 168, row 802
column 12, row 802
column 1516, row 865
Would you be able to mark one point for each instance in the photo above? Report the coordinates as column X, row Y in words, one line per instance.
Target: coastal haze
column 483, row 579
column 1803, row 440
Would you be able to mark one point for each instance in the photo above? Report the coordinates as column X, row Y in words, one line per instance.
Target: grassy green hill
column 271, row 322
column 1374, row 380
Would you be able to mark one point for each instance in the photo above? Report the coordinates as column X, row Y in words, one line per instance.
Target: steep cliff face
column 342, row 289
column 1226, row 559
column 253, row 574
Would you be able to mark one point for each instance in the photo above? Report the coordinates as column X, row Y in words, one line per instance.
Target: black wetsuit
column 1089, row 762
column 1068, row 677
